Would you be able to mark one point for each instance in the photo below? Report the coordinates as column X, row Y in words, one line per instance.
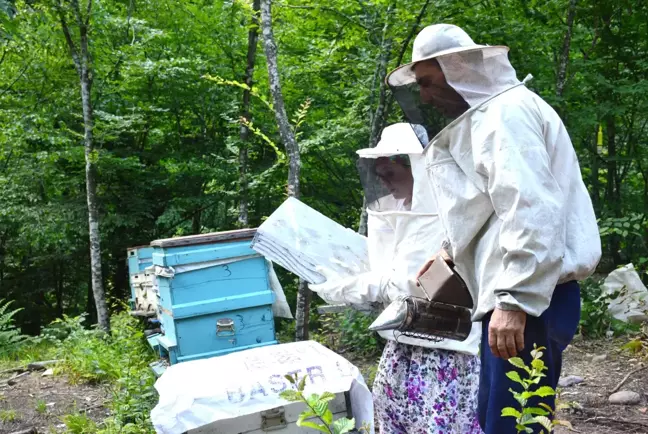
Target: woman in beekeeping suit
column 421, row 386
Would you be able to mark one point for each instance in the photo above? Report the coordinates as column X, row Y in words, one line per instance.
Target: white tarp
column 631, row 305
column 299, row 239
column 196, row 393
column 280, row 307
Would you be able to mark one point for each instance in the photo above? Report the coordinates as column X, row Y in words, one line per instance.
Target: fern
column 10, row 336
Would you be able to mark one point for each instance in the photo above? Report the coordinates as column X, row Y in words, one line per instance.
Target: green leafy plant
column 10, row 336
column 595, row 320
column 526, row 416
column 41, row 406
column 9, row 415
column 120, row 361
column 79, row 423
column 318, row 410
column 349, row 329
column 370, row 375
column 637, row 345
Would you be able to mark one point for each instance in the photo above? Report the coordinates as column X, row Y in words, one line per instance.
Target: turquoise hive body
column 214, row 296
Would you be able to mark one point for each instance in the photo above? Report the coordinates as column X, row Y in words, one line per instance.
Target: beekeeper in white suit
column 421, row 385
column 518, row 221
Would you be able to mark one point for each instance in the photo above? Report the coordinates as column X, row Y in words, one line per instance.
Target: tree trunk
column 121, row 279
column 81, row 57
column 92, row 312
column 292, row 150
column 613, row 188
column 59, row 275
column 594, row 177
column 380, row 114
column 561, row 77
column 253, row 36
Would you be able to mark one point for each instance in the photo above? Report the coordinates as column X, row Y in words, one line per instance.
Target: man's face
column 436, row 91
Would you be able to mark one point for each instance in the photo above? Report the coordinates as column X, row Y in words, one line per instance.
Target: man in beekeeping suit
column 422, row 386
column 519, row 223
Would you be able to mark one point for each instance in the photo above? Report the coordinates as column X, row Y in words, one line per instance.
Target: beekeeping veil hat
column 476, row 72
column 392, row 172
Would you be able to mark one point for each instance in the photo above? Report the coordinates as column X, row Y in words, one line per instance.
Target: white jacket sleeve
column 367, row 288
column 526, row 197
column 362, row 289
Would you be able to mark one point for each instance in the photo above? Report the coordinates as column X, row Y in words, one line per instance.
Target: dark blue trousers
column 554, row 329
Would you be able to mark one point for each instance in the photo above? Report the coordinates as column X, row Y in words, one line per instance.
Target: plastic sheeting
column 280, row 308
column 197, row 393
column 300, row 239
column 631, row 302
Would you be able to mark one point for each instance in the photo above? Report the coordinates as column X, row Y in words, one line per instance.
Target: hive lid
column 214, row 237
column 143, row 246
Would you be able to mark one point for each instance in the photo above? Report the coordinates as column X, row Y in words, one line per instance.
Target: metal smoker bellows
column 424, row 319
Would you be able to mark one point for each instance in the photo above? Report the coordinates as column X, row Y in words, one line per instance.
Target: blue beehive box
column 214, row 295
column 139, row 258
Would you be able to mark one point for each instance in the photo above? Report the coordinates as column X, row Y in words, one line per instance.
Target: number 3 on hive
column 226, row 268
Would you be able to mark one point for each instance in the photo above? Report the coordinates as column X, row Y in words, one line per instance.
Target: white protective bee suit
column 420, row 385
column 518, row 221
column 400, row 238
column 517, row 216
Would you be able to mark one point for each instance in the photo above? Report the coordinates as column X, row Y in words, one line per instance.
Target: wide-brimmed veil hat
column 435, row 41
column 398, row 139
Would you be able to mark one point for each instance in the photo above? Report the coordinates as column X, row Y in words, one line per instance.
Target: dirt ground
column 603, row 365
column 40, row 402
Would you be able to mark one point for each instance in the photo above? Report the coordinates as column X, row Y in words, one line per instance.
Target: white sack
column 632, row 303
column 199, row 392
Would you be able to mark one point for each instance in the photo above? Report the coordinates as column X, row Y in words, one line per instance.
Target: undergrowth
column 118, row 362
column 349, row 330
column 10, row 338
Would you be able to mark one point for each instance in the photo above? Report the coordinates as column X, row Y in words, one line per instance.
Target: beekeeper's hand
column 506, row 332
column 358, row 289
column 332, row 280
column 430, row 261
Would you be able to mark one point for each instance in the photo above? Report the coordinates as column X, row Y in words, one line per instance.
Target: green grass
column 41, row 407
column 9, row 415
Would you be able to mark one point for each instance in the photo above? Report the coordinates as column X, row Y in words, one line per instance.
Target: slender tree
column 81, row 57
column 292, row 150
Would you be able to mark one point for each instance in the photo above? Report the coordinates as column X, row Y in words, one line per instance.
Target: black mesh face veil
column 476, row 75
column 386, row 170
column 387, row 182
column 416, row 112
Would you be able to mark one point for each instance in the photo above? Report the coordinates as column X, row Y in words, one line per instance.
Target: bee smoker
column 424, row 319
column 445, row 314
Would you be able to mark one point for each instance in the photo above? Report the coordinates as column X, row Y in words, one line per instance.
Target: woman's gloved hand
column 358, row 289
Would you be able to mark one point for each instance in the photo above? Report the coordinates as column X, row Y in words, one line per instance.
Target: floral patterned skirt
column 426, row 391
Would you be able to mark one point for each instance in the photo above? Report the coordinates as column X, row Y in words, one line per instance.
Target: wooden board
column 214, row 237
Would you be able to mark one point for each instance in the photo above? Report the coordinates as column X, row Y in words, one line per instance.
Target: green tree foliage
column 168, row 138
